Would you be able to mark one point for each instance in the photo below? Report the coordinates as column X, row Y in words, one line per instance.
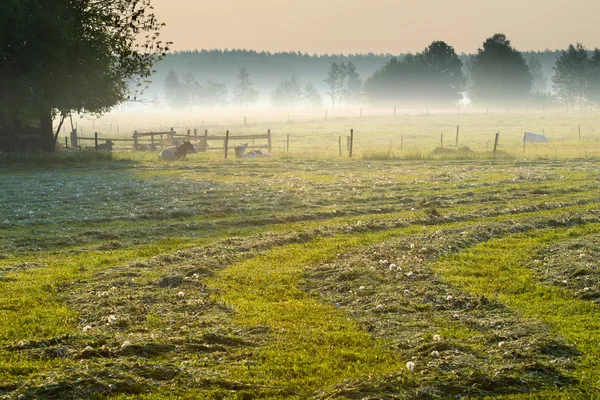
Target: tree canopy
column 63, row 56
column 576, row 76
column 433, row 76
column 499, row 73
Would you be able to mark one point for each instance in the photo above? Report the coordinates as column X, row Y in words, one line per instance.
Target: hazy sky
column 380, row 26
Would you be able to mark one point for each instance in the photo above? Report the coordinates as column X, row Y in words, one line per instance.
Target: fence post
column 287, row 144
column 351, row 141
column 152, row 141
column 67, row 142
column 96, row 140
column 205, row 139
column 172, row 133
column 226, row 143
column 74, row 141
column 269, row 139
column 195, row 131
column 135, row 140
column 524, row 141
column 457, row 130
column 340, row 144
column 188, row 135
column 496, row 142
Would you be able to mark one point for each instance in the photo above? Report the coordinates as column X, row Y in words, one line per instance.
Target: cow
column 177, row 152
column 240, row 152
column 534, row 137
column 108, row 146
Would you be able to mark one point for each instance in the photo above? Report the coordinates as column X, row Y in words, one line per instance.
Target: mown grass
column 243, row 279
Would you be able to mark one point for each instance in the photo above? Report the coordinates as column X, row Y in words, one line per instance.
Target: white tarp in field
column 534, row 137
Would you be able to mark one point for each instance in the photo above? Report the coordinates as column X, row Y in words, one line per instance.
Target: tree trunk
column 47, row 142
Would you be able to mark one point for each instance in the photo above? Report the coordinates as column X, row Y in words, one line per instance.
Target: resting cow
column 177, row 152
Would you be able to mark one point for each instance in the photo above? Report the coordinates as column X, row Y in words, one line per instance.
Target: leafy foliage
column 432, row 76
column 577, row 76
column 63, row 56
column 344, row 84
column 500, row 74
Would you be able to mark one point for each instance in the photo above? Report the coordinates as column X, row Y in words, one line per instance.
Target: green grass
column 131, row 278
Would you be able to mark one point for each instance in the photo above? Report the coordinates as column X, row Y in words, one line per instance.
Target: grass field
column 416, row 273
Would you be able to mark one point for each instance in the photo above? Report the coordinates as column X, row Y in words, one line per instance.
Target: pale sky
column 379, row 26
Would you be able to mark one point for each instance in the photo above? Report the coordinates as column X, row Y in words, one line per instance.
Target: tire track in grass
column 498, row 268
column 313, row 345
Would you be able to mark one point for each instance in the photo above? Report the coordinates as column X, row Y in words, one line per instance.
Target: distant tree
column 334, row 82
column 213, row 94
column 311, row 97
column 432, row 76
column 572, row 75
column 174, row 90
column 499, row 73
column 190, row 90
column 595, row 77
column 353, row 84
column 540, row 82
column 245, row 94
column 287, row 94
column 444, row 71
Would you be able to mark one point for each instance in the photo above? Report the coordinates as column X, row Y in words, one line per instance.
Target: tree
column 444, row 72
column 62, row 56
column 311, row 97
column 540, row 82
column 344, row 83
column 190, row 90
column 213, row 94
column 245, row 94
column 173, row 89
column 353, row 85
column 499, row 73
column 287, row 94
column 595, row 77
column 572, row 75
column 333, row 81
column 433, row 76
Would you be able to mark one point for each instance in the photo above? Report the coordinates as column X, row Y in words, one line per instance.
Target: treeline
column 497, row 74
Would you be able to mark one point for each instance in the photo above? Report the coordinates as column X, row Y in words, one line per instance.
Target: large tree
column 71, row 56
column 572, row 73
column 433, row 76
column 499, row 74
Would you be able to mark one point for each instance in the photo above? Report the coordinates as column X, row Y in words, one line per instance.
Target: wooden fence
column 163, row 139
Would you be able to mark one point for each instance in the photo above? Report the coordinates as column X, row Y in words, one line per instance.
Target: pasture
column 406, row 273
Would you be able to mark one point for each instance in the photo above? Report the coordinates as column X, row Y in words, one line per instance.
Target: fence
column 151, row 140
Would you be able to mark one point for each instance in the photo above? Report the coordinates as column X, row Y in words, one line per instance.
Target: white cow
column 534, row 137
